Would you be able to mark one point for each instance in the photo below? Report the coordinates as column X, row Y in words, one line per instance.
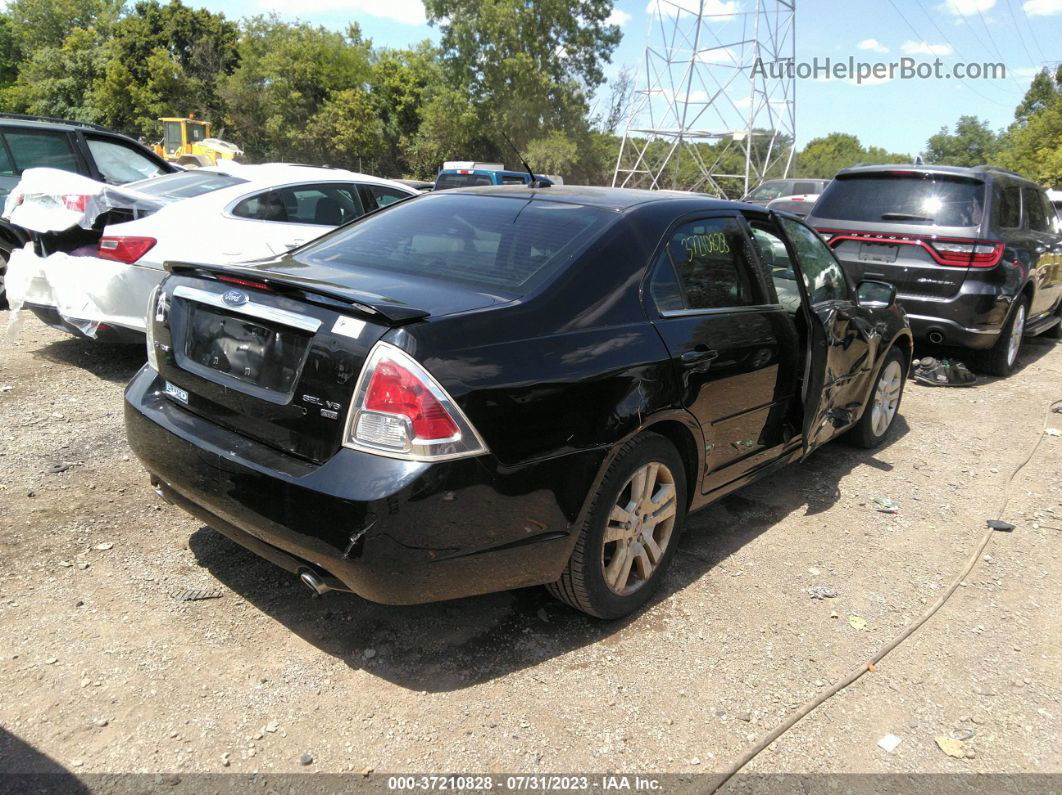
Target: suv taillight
column 124, row 248
column 972, row 254
column 400, row 411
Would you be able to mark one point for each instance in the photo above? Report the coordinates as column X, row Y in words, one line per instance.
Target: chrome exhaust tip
column 313, row 582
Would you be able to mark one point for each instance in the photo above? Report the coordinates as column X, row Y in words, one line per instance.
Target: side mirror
column 872, row 293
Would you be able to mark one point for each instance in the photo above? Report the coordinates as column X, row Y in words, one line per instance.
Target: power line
column 947, row 39
column 1032, row 33
column 995, row 47
column 919, row 35
column 1014, row 19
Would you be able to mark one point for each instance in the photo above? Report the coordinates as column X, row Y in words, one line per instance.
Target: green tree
column 1043, row 90
column 449, row 128
column 1034, row 147
column 555, row 153
column 38, row 24
column 401, row 81
column 528, row 66
column 164, row 60
column 287, row 73
column 55, row 81
column 821, row 158
column 973, row 143
column 347, row 131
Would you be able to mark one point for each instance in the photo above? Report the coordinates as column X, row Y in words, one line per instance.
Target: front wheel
column 877, row 420
column 629, row 536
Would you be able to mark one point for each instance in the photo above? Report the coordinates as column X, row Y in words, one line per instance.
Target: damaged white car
column 97, row 251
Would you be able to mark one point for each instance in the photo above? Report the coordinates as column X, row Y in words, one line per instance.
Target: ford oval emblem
column 234, row 298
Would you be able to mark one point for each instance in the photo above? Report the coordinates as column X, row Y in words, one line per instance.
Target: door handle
column 699, row 354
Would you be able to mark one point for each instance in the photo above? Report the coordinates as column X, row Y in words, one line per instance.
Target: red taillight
column 75, row 201
column 972, row 254
column 124, row 248
column 395, row 390
column 954, row 251
column 400, row 410
column 245, row 282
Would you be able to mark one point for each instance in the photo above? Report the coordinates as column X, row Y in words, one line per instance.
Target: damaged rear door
column 843, row 344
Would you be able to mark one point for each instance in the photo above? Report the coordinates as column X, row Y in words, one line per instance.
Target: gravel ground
column 102, row 669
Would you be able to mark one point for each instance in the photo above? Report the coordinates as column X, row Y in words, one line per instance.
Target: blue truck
column 467, row 173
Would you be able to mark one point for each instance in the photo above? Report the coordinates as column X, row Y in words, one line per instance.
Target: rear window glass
column 33, row 149
column 185, row 184
column 770, row 190
column 462, row 181
column 925, row 199
column 487, row 242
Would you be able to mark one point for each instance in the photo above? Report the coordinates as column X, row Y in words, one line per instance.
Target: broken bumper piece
column 83, row 295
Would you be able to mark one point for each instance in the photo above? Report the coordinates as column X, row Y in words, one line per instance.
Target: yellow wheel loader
column 187, row 142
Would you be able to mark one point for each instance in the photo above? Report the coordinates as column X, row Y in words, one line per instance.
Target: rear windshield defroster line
column 488, row 242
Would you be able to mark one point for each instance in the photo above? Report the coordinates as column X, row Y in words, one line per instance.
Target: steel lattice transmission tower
column 717, row 109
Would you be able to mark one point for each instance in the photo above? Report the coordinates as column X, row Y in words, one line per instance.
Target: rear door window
column 318, row 205
column 1008, row 207
column 377, row 196
column 1034, row 210
column 801, row 188
column 904, row 198
column 704, row 265
column 40, row 149
column 119, row 163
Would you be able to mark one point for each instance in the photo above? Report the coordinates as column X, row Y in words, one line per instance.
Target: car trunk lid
column 275, row 356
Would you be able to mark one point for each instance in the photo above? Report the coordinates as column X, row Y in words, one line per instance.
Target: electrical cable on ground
column 994, row 525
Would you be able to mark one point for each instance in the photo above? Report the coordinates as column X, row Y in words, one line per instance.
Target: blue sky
column 898, row 115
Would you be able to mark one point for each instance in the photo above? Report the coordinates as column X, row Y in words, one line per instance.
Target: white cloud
column 925, row 48
column 408, row 12
column 714, row 10
column 961, row 8
column 873, row 45
column 722, row 55
column 1042, row 8
column 618, row 17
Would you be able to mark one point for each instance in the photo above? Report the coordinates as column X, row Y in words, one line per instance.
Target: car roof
column 606, row 198
column 976, row 172
column 274, row 174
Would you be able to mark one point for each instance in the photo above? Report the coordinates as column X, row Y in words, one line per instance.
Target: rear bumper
column 973, row 318
column 926, row 327
column 81, row 294
column 390, row 531
column 103, row 332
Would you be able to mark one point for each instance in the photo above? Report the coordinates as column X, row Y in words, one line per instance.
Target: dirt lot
column 103, row 670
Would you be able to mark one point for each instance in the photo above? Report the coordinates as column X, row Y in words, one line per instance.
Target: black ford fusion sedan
column 492, row 388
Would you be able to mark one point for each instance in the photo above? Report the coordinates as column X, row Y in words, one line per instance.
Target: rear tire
column 1055, row 332
column 626, row 544
column 5, row 254
column 1003, row 356
column 881, row 411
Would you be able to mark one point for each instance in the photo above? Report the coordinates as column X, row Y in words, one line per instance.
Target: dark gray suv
column 975, row 253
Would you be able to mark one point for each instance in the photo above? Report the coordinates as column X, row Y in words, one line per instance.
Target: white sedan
column 96, row 282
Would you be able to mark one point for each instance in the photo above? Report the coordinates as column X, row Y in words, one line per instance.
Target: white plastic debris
column 889, row 743
column 52, row 200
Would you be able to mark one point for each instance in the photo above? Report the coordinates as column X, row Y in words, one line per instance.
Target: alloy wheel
column 639, row 528
column 886, row 398
column 1016, row 331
